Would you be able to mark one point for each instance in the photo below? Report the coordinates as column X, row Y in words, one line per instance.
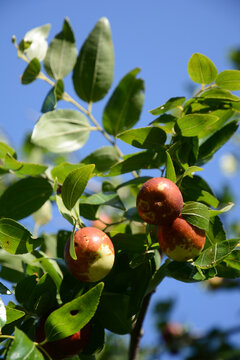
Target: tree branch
column 137, row 332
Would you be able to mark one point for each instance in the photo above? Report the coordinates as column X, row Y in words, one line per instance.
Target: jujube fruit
column 159, row 201
column 95, row 255
column 180, row 240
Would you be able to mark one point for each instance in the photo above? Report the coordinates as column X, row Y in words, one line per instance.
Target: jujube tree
column 184, row 135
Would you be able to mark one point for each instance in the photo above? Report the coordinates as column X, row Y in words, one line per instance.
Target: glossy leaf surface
column 144, row 138
column 93, row 72
column 23, row 348
column 125, row 105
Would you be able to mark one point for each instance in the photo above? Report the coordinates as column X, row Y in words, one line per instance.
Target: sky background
column 159, row 37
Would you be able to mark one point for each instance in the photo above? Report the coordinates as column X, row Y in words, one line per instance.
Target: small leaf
column 15, row 239
column 23, row 348
column 61, row 131
column 137, row 181
column 196, row 214
column 144, row 138
column 74, row 185
column 184, row 271
column 222, row 210
column 50, row 101
column 24, row 197
column 103, row 158
column 125, row 105
column 31, row 72
column 170, row 171
column 101, row 199
column 4, row 290
column 216, row 253
column 72, row 247
column 62, row 53
column 229, row 79
column 201, row 69
column 4, row 149
column 13, row 314
column 172, row 103
column 93, row 72
column 74, row 315
column 196, row 124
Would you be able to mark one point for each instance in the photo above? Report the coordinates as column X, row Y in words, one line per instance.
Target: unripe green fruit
column 95, row 255
column 159, row 201
column 180, row 240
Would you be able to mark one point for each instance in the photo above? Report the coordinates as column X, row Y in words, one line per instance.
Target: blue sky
column 159, row 36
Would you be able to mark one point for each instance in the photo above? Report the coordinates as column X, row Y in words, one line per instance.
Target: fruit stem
column 137, row 332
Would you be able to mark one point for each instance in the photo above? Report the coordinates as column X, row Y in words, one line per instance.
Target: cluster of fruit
column 160, row 202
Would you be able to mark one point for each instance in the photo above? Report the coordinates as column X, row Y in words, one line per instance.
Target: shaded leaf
column 137, row 181
column 24, row 197
column 196, row 214
column 93, row 72
column 217, row 140
column 184, row 271
column 61, row 131
column 50, row 101
column 125, row 105
column 229, row 79
column 15, row 238
column 31, row 72
column 103, row 158
column 216, row 232
column 172, row 103
column 170, row 171
column 201, row 69
column 144, row 138
column 74, row 315
column 74, row 185
column 62, row 53
column 4, row 290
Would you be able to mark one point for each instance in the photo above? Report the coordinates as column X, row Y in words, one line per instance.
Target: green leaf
column 197, row 124
column 144, row 138
column 172, row 103
column 229, row 79
column 113, row 313
column 125, row 105
column 62, row 53
column 4, row 290
column 74, row 185
column 31, row 72
column 137, row 161
column 217, row 140
column 103, row 158
column 222, row 210
column 62, row 170
column 93, row 72
column 170, row 171
column 230, row 267
column 15, row 238
column 74, row 315
column 196, row 189
column 13, row 314
column 196, row 214
column 103, row 199
column 72, row 247
column 63, row 210
column 3, row 314
column 216, row 253
column 50, row 101
column 201, row 69
column 184, row 271
column 61, row 131
column 217, row 93
column 24, row 197
column 23, row 348
column 4, row 149
column 22, row 168
column 137, row 181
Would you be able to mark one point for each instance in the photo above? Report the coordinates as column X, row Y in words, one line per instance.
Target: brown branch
column 137, row 332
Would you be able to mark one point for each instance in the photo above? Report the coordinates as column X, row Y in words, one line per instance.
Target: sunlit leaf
column 170, row 104
column 144, row 138
column 201, row 69
column 23, row 348
column 170, row 171
column 196, row 124
column 196, row 214
column 229, row 79
column 103, row 158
